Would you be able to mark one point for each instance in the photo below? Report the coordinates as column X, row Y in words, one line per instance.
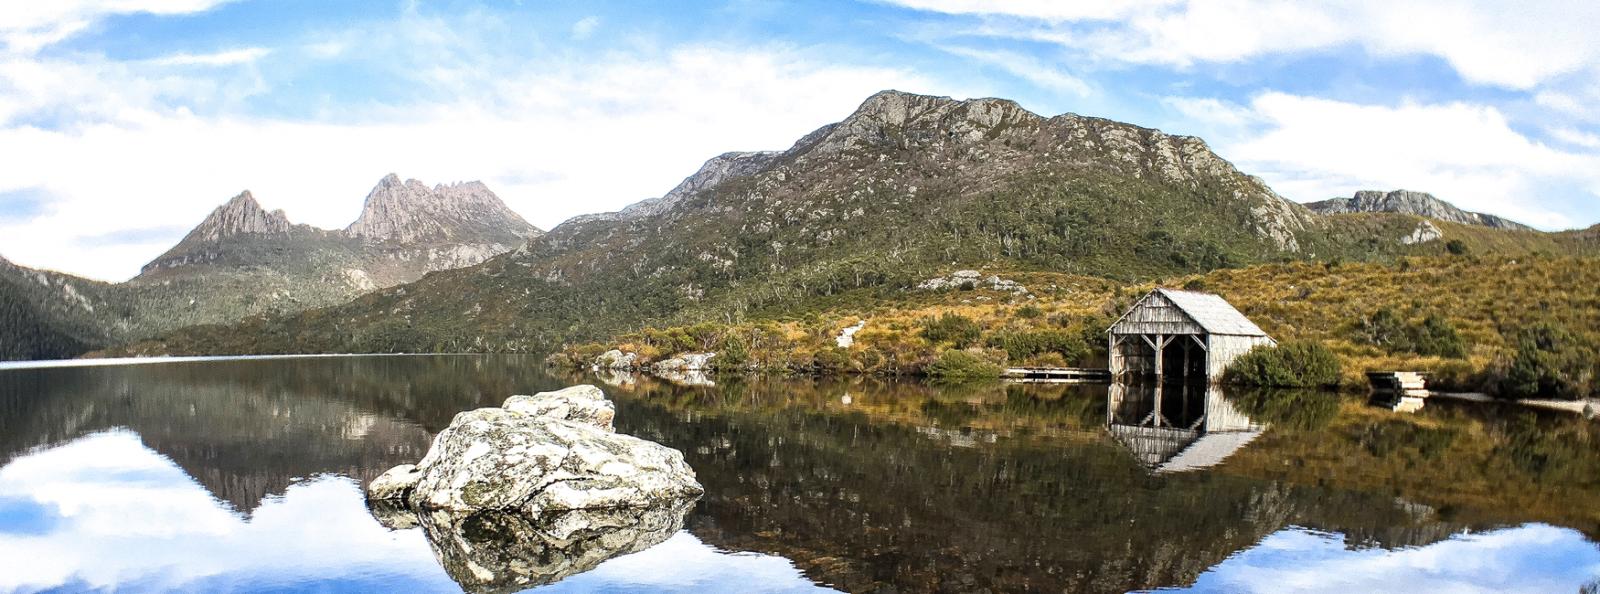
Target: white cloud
column 1311, row 149
column 585, row 27
column 555, row 139
column 1027, row 68
column 1511, row 44
column 25, row 27
column 223, row 58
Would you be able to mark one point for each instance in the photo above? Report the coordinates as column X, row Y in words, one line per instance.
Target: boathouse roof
column 1168, row 310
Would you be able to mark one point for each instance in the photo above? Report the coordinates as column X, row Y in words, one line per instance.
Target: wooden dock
column 1057, row 374
column 1400, row 383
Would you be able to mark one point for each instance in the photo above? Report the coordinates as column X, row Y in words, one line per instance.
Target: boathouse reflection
column 1177, row 427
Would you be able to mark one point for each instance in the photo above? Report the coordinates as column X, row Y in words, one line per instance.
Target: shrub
column 1434, row 337
column 1029, row 311
column 1437, row 337
column 954, row 365
column 1456, row 247
column 1288, row 365
column 956, row 329
column 1020, row 345
column 1549, row 361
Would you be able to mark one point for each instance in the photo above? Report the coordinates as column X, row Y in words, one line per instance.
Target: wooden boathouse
column 1180, row 335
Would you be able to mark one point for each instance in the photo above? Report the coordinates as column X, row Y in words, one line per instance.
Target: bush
column 1434, row 337
column 1020, row 345
column 1456, row 247
column 1029, row 311
column 956, row 329
column 1549, row 362
column 1288, row 365
column 954, row 365
column 1437, row 337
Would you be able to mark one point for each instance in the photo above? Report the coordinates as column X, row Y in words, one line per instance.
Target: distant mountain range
column 243, row 261
column 903, row 188
column 1421, row 204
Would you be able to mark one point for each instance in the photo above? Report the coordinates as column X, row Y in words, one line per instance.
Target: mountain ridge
column 901, row 188
column 242, row 260
column 1420, row 204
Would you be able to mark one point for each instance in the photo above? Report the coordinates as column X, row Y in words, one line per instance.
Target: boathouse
column 1183, row 335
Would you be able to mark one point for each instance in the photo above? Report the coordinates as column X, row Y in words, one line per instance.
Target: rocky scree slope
column 905, row 186
column 243, row 261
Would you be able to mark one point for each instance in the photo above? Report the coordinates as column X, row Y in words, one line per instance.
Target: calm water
column 246, row 475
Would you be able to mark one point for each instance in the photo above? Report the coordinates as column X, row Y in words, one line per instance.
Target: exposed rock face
column 719, row 168
column 1421, row 204
column 581, row 404
column 411, row 212
column 615, row 359
column 1425, row 232
column 564, row 458
column 238, row 216
column 685, row 362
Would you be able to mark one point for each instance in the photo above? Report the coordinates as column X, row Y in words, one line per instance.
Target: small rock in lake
column 552, row 451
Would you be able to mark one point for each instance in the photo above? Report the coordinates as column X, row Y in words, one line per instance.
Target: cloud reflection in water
column 104, row 512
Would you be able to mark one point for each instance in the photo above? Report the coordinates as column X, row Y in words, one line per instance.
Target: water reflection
column 219, row 476
column 106, row 513
column 1177, row 427
column 491, row 551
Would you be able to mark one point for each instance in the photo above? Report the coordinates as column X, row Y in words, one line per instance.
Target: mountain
column 1421, row 204
column 242, row 260
column 49, row 315
column 905, row 186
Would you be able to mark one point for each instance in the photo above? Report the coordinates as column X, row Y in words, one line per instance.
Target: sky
column 124, row 122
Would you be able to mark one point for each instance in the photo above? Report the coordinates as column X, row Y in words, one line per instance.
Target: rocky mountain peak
column 410, row 211
column 1421, row 204
column 239, row 215
column 907, row 119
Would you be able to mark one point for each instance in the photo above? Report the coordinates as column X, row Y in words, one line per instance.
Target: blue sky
column 123, row 123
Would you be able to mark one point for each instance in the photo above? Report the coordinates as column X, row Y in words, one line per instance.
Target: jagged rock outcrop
column 550, row 452
column 1421, row 204
column 1425, row 232
column 713, row 172
column 412, row 212
column 239, row 215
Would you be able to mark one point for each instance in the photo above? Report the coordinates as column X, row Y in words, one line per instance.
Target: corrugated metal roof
column 1213, row 313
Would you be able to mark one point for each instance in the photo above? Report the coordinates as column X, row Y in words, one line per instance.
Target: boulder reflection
column 1177, row 427
column 493, row 551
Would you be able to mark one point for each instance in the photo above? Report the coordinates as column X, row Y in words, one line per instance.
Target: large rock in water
column 553, row 451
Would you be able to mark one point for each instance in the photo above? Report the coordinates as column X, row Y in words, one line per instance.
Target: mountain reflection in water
column 245, row 476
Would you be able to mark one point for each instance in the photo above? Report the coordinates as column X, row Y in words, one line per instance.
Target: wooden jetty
column 1057, row 374
column 1399, row 391
column 1404, row 383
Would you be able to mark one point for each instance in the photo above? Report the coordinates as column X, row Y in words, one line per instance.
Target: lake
column 246, row 476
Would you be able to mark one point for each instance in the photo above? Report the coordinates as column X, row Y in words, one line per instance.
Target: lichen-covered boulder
column 394, row 484
column 582, row 404
column 548, row 452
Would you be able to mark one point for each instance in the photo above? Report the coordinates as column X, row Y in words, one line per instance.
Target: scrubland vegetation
column 1518, row 327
